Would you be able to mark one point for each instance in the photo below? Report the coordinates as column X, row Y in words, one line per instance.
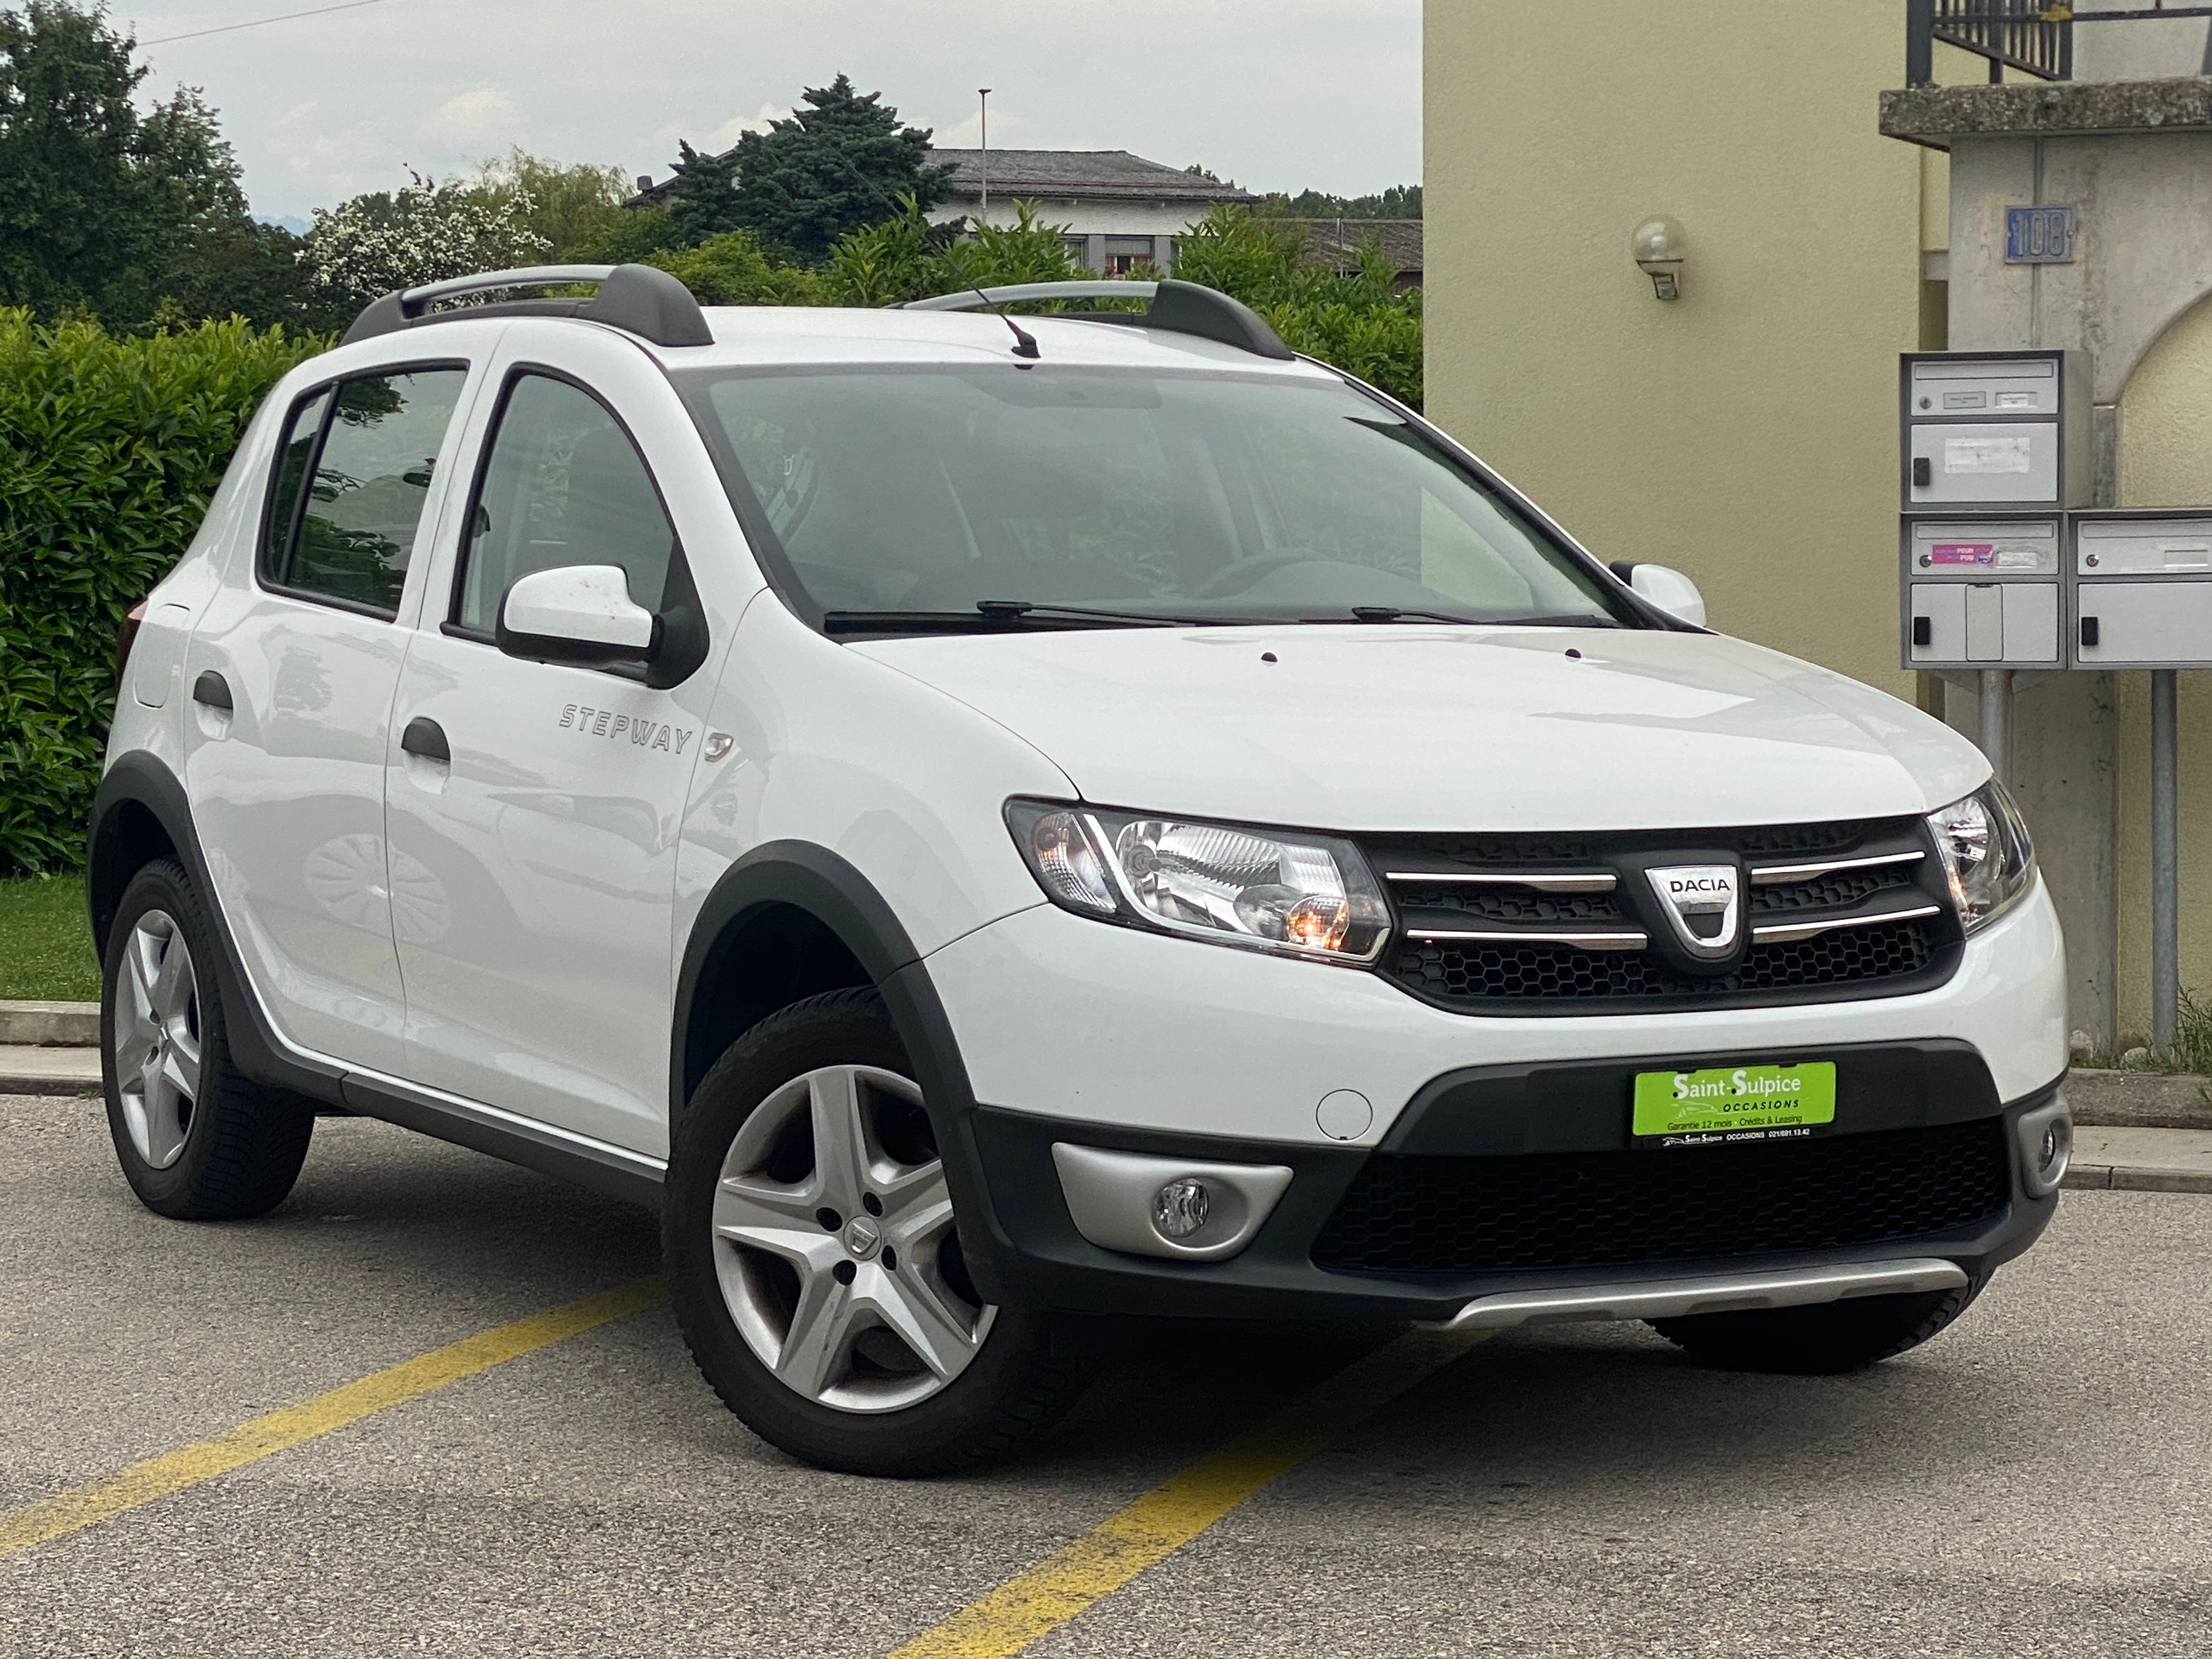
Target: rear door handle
column 426, row 737
column 212, row 689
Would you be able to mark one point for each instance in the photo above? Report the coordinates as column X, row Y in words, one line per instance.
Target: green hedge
column 110, row 447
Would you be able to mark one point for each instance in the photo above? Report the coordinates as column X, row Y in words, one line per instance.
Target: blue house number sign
column 2038, row 235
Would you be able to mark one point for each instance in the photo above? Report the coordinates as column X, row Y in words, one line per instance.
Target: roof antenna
column 1026, row 343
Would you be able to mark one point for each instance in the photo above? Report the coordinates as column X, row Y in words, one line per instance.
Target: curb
column 2139, row 1100
column 50, row 1024
column 2098, row 1177
column 30, row 1070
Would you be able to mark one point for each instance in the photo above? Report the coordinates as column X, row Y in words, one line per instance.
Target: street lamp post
column 983, row 94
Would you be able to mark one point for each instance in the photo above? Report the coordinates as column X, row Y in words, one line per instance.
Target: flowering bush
column 421, row 233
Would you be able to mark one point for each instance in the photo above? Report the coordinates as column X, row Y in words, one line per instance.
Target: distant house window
column 1125, row 254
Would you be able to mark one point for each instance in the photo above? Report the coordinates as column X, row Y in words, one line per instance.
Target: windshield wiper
column 1390, row 613
column 995, row 616
column 1012, row 608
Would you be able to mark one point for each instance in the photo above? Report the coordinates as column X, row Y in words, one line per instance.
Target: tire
column 197, row 1139
column 823, row 1293
column 1820, row 1340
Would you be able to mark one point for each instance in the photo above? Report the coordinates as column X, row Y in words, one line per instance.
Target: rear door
column 290, row 676
column 534, row 864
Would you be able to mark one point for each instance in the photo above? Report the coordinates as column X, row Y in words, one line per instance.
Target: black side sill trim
column 634, row 1179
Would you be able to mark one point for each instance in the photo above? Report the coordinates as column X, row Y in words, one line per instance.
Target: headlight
column 1302, row 895
column 1986, row 854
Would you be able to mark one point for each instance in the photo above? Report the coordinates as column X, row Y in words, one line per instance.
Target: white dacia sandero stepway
column 987, row 820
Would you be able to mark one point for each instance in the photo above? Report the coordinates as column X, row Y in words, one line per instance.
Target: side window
column 293, row 461
column 562, row 485
column 365, row 450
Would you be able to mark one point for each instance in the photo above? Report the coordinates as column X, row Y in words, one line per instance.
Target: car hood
column 1406, row 727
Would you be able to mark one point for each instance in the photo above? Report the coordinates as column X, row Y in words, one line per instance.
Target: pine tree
column 840, row 162
column 703, row 200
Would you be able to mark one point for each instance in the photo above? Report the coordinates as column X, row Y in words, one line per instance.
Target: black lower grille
column 1503, row 973
column 1483, row 1215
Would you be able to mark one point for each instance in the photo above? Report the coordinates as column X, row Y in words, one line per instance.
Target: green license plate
column 1735, row 1103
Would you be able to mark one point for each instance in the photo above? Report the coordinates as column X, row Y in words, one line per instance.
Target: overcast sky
column 1281, row 95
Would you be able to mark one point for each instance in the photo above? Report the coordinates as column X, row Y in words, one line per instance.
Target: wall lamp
column 1658, row 246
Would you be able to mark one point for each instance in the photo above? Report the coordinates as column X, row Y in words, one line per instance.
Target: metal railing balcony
column 2034, row 37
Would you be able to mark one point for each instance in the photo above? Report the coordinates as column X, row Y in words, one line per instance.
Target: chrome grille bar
column 1770, row 875
column 1791, row 933
column 1582, row 939
column 1590, row 881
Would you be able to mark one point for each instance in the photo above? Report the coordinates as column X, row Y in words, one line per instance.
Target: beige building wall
column 1747, row 433
column 2165, row 460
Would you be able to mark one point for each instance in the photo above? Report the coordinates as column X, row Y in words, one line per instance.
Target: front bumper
column 1056, row 1016
column 1071, row 1031
column 1037, row 1257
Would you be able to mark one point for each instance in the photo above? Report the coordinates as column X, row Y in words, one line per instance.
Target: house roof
column 1107, row 174
column 1333, row 241
column 1114, row 174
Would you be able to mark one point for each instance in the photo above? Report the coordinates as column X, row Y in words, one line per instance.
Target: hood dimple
column 1441, row 728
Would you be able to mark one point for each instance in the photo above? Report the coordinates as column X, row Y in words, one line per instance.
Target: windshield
column 1201, row 498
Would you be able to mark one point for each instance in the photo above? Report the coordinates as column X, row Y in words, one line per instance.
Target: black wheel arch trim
column 810, row 877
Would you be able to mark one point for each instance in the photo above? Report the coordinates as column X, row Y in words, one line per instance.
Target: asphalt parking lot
column 2038, row 1481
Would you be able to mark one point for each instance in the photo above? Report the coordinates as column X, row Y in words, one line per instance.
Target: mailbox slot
column 2156, row 547
column 1939, row 549
column 1957, row 389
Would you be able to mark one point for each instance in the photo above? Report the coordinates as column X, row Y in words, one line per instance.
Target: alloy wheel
column 157, row 1038
column 834, row 1245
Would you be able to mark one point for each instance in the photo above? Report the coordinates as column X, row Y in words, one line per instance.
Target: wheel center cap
column 862, row 1235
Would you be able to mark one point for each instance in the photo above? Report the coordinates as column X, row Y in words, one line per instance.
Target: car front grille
column 1556, row 1212
column 1561, row 925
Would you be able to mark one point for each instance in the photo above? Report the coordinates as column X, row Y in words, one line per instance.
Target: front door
column 290, row 676
column 534, row 864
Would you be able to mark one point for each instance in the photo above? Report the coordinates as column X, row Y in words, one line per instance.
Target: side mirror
column 578, row 613
column 1670, row 590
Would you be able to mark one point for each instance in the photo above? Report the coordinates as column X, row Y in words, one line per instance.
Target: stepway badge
column 1735, row 1103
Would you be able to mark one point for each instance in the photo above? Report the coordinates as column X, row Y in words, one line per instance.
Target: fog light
column 2047, row 1147
column 2056, row 1152
column 1179, row 1209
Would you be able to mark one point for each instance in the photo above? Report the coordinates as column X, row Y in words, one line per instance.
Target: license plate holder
column 1733, row 1105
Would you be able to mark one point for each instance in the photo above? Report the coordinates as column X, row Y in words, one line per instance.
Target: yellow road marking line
column 1164, row 1519
column 157, row 1476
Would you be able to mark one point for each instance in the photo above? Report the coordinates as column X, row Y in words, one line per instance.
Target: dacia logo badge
column 1702, row 903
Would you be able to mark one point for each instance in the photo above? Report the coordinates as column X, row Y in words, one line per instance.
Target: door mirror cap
column 579, row 613
column 1667, row 588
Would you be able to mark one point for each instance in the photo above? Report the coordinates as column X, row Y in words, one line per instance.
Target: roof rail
column 1179, row 307
column 639, row 300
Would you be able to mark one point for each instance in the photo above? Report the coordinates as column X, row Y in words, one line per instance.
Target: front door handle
column 426, row 737
column 212, row 689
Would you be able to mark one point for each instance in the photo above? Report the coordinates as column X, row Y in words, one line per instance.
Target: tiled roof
column 1330, row 241
column 1078, row 173
column 1113, row 174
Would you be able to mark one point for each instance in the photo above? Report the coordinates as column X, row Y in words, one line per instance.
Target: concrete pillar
column 2133, row 158
column 2065, row 730
column 1094, row 253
